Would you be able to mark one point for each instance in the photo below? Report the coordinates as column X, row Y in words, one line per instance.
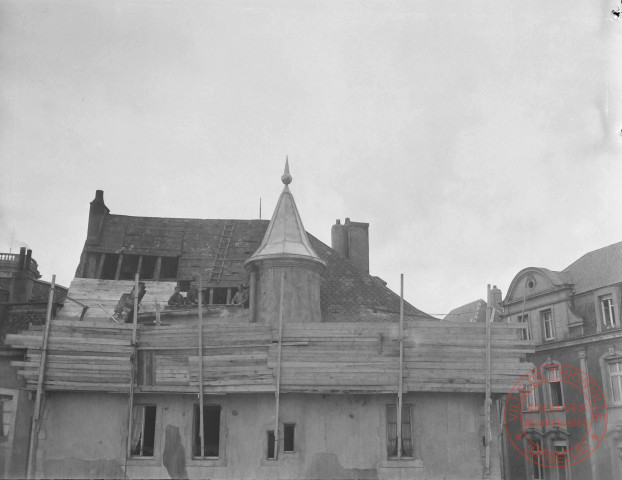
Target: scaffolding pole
column 201, row 432
column 278, row 372
column 400, row 383
column 36, row 417
column 130, row 419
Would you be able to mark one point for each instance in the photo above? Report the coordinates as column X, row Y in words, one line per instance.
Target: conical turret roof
column 286, row 236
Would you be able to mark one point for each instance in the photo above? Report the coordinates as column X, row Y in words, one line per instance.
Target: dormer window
column 608, row 311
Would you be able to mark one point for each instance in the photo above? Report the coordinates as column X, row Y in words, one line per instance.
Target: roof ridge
column 590, row 253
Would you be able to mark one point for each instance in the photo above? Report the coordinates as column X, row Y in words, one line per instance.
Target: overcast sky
column 476, row 137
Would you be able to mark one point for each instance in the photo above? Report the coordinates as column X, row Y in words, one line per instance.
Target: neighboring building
column 304, row 383
column 23, row 302
column 574, row 318
column 471, row 312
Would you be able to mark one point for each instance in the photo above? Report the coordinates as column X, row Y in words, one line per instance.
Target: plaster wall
column 336, row 437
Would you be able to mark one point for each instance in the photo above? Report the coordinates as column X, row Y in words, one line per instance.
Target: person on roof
column 177, row 299
column 193, row 294
column 241, row 296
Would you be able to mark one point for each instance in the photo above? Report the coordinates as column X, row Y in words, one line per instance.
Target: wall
column 337, row 437
column 14, row 452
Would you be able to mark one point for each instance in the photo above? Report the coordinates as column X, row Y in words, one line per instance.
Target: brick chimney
column 495, row 298
column 352, row 241
column 22, row 278
column 97, row 214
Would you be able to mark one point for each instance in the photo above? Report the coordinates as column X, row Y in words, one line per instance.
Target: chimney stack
column 352, row 241
column 20, row 288
column 97, row 214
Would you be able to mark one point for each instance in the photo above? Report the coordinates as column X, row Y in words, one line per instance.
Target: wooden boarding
column 94, row 355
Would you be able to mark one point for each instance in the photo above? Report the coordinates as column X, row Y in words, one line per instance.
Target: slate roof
column 345, row 291
column 471, row 312
column 597, row 269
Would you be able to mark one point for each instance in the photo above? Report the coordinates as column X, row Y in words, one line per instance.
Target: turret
column 285, row 271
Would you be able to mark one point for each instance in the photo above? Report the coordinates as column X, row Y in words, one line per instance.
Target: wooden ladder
column 221, row 254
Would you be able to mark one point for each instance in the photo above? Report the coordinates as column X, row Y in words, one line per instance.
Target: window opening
column 525, row 333
column 129, row 266
column 109, row 269
column 555, row 386
column 528, row 397
column 288, row 437
column 407, row 450
column 220, row 296
column 211, row 431
column 168, row 270
column 143, row 430
column 535, row 458
column 606, row 305
column 547, row 323
column 270, row 455
column 561, row 452
column 147, row 267
column 615, row 379
column 6, row 414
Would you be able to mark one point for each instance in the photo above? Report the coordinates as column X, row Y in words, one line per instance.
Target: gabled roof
column 471, row 312
column 597, row 269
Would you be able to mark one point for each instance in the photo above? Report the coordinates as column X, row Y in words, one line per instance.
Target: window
column 561, row 452
column 6, row 416
column 143, row 430
column 555, row 387
column 169, row 267
column 525, row 334
column 288, row 437
column 608, row 312
column 529, row 398
column 211, row 431
column 270, row 455
column 615, row 379
column 147, row 267
column 547, row 325
column 407, row 445
column 109, row 268
column 534, row 457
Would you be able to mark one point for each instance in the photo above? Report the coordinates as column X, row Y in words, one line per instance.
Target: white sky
column 476, row 137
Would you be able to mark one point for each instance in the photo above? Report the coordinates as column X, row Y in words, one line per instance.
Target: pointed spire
column 286, row 178
column 285, row 236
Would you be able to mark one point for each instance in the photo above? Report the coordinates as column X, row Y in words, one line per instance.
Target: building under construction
column 324, row 373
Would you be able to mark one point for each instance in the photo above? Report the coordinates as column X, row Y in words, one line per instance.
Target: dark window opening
column 211, row 431
column 220, row 296
column 407, row 448
column 129, row 266
column 288, row 437
column 147, row 267
column 143, row 430
column 168, row 270
column 556, row 394
column 109, row 269
column 270, row 455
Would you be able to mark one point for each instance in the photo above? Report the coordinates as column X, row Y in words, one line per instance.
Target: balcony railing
column 9, row 263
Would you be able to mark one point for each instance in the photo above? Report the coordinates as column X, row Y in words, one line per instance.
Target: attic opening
column 109, row 268
column 124, row 266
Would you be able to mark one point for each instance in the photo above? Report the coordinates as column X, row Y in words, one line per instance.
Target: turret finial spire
column 286, row 178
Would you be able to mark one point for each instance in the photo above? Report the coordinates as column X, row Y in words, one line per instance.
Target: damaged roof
column 345, row 291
